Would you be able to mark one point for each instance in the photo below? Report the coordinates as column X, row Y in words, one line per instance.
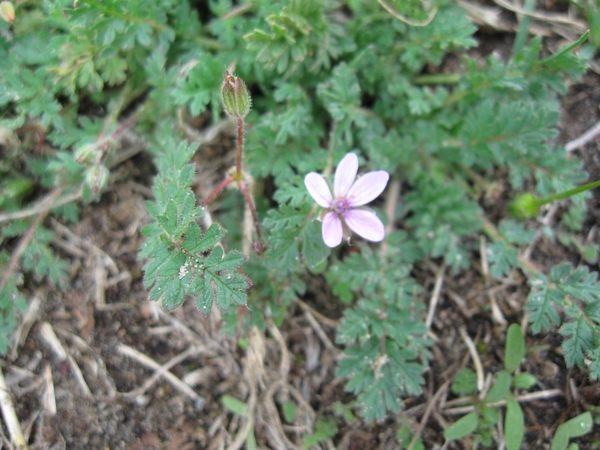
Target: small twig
column 25, row 327
column 79, row 377
column 24, row 242
column 253, row 371
column 427, row 412
column 160, row 372
column 216, row 191
column 546, row 220
column 49, row 399
column 10, row 416
column 43, row 206
column 401, row 18
column 485, row 267
column 540, row 395
column 579, row 25
column 391, row 201
column 285, row 365
column 497, row 315
column 326, row 320
column 586, row 137
column 49, row 337
column 250, row 204
column 315, row 326
column 207, row 135
column 475, row 356
column 149, row 362
column 439, row 281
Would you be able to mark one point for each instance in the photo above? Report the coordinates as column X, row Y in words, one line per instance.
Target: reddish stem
column 244, row 189
column 222, row 185
column 240, row 148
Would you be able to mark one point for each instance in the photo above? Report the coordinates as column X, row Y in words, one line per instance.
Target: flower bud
column 235, row 96
column 7, row 12
column 524, row 206
column 97, row 178
column 85, row 154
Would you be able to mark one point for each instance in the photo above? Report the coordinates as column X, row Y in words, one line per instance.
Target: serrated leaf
column 462, row 427
column 210, row 239
column 192, row 237
column 540, row 304
column 580, row 340
column 174, row 294
column 168, row 220
column 579, row 283
column 465, row 382
column 314, row 250
column 502, row 259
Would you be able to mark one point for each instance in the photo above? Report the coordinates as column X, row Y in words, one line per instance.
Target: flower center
column 341, row 205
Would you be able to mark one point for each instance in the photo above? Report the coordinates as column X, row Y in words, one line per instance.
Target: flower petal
column 345, row 174
column 318, row 189
column 366, row 224
column 368, row 187
column 332, row 230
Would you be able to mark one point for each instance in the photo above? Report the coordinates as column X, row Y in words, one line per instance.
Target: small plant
column 485, row 416
column 482, row 421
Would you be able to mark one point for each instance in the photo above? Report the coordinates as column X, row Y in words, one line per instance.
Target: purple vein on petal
column 318, row 189
column 345, row 174
column 332, row 230
column 366, row 224
column 368, row 187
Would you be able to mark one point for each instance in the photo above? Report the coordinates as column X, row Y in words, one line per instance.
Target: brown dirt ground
column 105, row 315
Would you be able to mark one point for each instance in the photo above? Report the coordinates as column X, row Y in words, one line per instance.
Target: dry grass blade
column 579, row 26
column 149, row 362
column 475, row 356
column 540, row 395
column 439, row 281
column 160, row 372
column 10, row 416
column 427, row 413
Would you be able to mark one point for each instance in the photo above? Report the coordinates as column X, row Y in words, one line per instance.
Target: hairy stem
column 244, row 189
column 240, row 148
column 222, row 185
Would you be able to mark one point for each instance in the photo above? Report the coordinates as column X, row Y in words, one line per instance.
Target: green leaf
column 500, row 389
column 579, row 283
column 465, row 382
column 579, row 340
column 561, row 438
column 523, row 381
column 502, row 259
column 540, row 304
column 514, row 351
column 462, row 427
column 234, row 405
column 324, row 429
column 514, row 424
column 580, row 425
column 174, row 294
column 289, row 411
column 314, row 250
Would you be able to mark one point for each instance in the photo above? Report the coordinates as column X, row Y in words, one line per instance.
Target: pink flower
column 347, row 196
